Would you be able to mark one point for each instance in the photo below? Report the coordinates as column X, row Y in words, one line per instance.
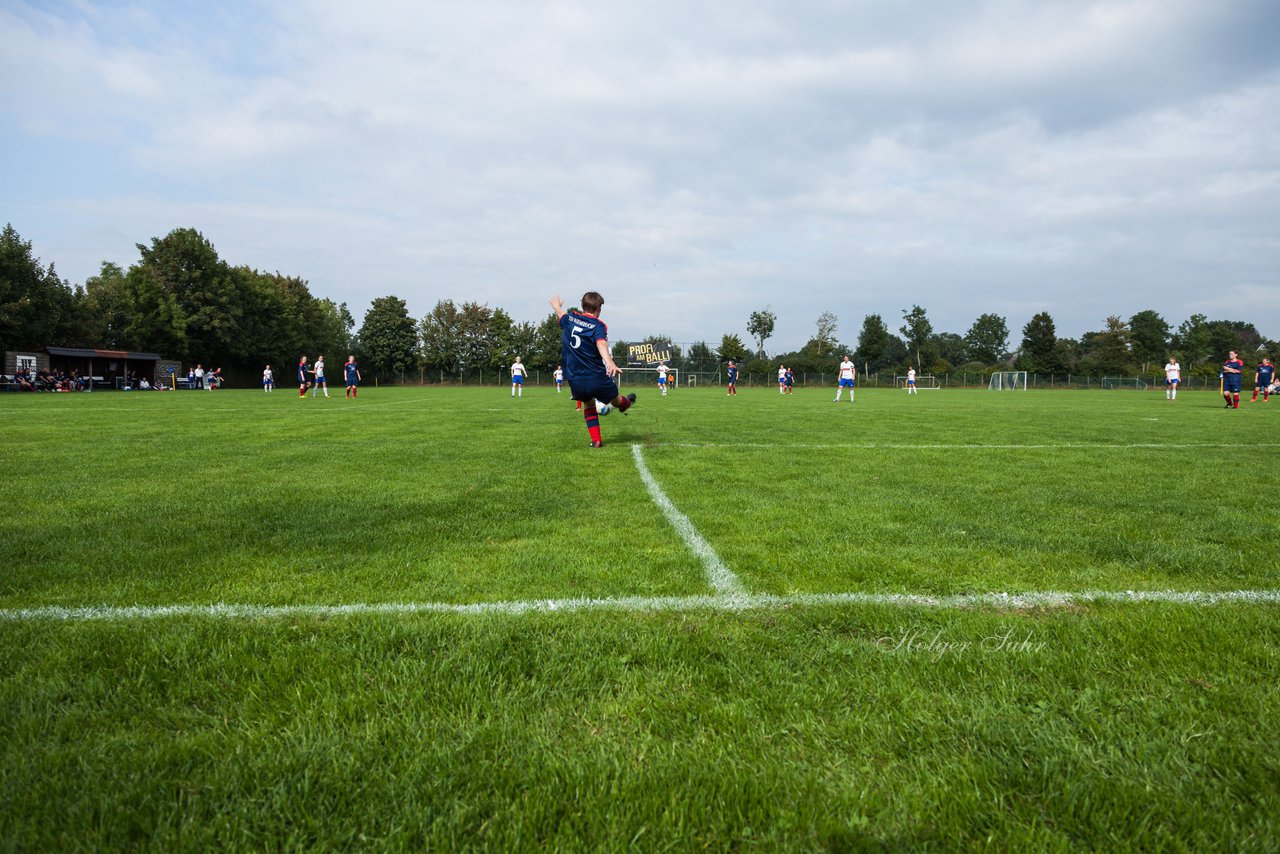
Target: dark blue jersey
column 1265, row 374
column 352, row 372
column 578, row 351
column 733, row 375
column 1233, row 363
column 303, row 371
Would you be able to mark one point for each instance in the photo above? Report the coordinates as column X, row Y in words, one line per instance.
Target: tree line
column 181, row 300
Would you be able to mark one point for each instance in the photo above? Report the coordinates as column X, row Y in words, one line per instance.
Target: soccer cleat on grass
column 631, row 401
column 597, row 443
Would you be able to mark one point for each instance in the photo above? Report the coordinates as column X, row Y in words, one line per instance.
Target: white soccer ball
column 603, row 409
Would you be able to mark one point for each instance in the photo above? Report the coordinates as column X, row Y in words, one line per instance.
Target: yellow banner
column 648, row 353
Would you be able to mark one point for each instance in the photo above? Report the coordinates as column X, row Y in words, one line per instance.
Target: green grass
column 1105, row 725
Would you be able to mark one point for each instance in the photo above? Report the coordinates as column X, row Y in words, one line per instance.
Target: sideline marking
column 883, row 446
column 720, row 577
column 726, row 603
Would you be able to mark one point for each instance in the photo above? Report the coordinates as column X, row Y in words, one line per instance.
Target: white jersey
column 559, row 375
column 517, row 369
column 782, row 374
column 1173, row 371
column 266, row 375
column 319, row 368
column 846, row 370
column 911, row 375
column 662, row 372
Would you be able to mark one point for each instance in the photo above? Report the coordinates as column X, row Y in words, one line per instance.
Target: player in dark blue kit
column 352, row 374
column 304, row 377
column 1262, row 380
column 733, row 378
column 1232, row 368
column 588, row 365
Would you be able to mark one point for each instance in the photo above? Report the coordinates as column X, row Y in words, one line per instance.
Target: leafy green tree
column 1192, row 339
column 731, row 347
column 297, row 328
column 700, row 356
column 619, row 352
column 521, row 340
column 474, row 321
column 917, row 330
column 987, row 339
column 1226, row 335
column 896, row 356
column 1149, row 337
column 873, row 342
column 546, row 346
column 36, row 307
column 194, row 293
column 158, row 323
column 824, row 340
column 949, row 350
column 441, row 332
column 1039, row 345
column 818, row 355
column 1107, row 352
column 388, row 338
column 503, row 348
column 760, row 327
column 332, row 330
column 108, row 308
column 268, row 333
column 1067, row 353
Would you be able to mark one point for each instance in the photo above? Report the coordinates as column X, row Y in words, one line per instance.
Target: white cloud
column 694, row 161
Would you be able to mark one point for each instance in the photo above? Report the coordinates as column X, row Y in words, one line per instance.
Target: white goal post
column 646, row 376
column 926, row 382
column 1008, row 381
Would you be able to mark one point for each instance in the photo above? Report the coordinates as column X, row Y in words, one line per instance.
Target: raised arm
column 558, row 305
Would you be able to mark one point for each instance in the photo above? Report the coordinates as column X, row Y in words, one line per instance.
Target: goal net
column 928, row 382
column 646, row 376
column 1008, row 381
column 1124, row 382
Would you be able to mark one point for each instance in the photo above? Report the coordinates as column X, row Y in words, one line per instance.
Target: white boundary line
column 884, row 446
column 719, row 576
column 136, row 410
column 722, row 603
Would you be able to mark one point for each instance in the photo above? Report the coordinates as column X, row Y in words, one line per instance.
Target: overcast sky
column 693, row 161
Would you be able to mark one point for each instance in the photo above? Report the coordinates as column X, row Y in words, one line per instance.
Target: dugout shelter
column 108, row 368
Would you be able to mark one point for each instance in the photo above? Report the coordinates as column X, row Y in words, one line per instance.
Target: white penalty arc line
column 737, row 602
column 720, row 577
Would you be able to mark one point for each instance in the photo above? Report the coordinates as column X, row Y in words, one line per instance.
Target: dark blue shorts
column 1231, row 382
column 603, row 389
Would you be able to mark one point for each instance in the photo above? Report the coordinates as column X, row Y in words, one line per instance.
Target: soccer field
column 436, row 618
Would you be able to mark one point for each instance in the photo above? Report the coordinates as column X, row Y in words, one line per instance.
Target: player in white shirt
column 782, row 379
column 911, row 381
column 559, row 378
column 320, row 380
column 1172, row 376
column 268, row 379
column 662, row 377
column 848, row 374
column 517, row 378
